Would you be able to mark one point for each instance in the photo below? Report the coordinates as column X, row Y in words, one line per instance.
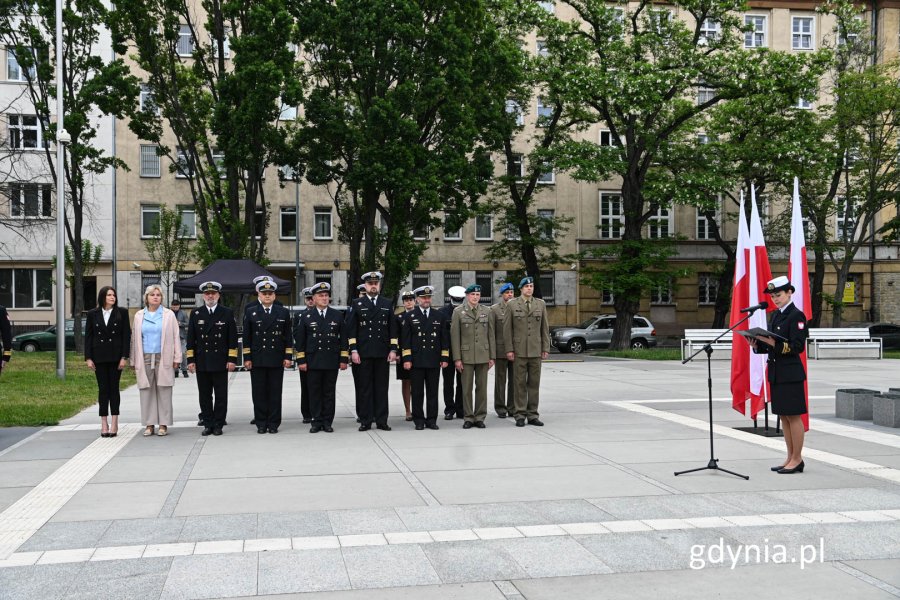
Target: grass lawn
column 891, row 354
column 30, row 393
column 646, row 354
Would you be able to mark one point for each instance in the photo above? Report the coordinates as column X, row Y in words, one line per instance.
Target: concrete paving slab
column 179, row 444
column 454, row 591
column 120, row 579
column 553, row 556
column 388, row 566
column 62, row 536
column 207, row 528
column 280, row 494
column 295, row 571
column 38, row 582
column 646, row 451
column 455, row 458
column 838, row 499
column 658, row 507
column 226, row 575
column 357, row 522
column 642, row 551
column 569, row 511
column 119, row 501
column 459, row 562
column 451, row 434
column 294, row 524
column 887, row 570
column 58, row 446
column 27, row 473
column 541, row 483
column 9, row 496
column 427, row 518
column 140, row 468
column 142, row 531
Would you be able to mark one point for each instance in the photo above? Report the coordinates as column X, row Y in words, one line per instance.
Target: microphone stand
column 713, row 461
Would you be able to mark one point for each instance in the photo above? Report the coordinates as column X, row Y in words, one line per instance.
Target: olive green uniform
column 527, row 333
column 472, row 340
column 504, row 380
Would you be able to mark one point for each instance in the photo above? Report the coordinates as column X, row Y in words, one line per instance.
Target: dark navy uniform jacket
column 107, row 342
column 371, row 327
column 784, row 358
column 212, row 340
column 321, row 342
column 267, row 338
column 425, row 342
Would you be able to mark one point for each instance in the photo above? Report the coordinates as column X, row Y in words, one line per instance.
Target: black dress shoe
column 776, row 469
column 273, row 430
column 176, row 374
column 383, row 426
column 432, row 426
column 328, row 429
column 357, row 420
column 448, row 417
column 185, row 375
column 365, row 427
column 200, row 423
column 307, row 420
column 797, row 469
column 260, row 430
column 253, row 422
column 520, row 422
column 112, row 434
column 217, row 431
column 315, row 429
column 467, row 425
column 224, row 423
column 420, row 426
column 207, row 431
column 503, row 416
column 536, row 422
column 479, row 424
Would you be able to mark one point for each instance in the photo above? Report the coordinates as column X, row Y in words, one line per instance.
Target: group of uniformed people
column 469, row 340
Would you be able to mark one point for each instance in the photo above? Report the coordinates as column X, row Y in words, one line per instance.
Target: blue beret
column 525, row 281
column 473, row 288
column 505, row 287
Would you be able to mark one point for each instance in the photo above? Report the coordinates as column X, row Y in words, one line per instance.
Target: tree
column 93, row 85
column 649, row 76
column 400, row 110
column 219, row 87
column 170, row 247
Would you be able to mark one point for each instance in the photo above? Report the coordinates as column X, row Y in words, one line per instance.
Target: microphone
column 750, row 309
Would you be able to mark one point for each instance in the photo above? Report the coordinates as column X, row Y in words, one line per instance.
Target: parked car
column 36, row 341
column 889, row 334
column 596, row 332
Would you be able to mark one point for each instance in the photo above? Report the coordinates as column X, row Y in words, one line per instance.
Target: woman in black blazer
column 107, row 343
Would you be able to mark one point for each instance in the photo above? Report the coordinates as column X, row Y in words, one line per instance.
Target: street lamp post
column 62, row 138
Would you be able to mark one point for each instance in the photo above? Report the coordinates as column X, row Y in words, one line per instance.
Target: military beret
column 525, row 281
column 506, row 287
column 210, row 286
column 473, row 288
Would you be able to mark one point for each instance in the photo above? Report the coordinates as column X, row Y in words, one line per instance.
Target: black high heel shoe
column 776, row 469
column 797, row 469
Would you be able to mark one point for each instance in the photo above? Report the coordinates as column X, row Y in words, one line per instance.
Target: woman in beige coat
column 155, row 355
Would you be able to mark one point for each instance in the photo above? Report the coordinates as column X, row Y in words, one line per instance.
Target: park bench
column 694, row 339
column 842, row 342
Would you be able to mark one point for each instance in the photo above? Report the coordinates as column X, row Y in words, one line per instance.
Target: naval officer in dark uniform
column 212, row 342
column 305, row 411
column 372, row 339
column 268, row 351
column 785, row 370
column 426, row 350
column 322, row 352
column 5, row 337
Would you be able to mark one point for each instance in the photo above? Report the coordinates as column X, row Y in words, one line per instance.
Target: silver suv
column 597, row 332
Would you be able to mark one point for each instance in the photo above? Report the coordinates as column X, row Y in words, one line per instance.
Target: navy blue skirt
column 788, row 399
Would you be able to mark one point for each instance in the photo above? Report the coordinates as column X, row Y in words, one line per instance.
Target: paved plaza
column 585, row 507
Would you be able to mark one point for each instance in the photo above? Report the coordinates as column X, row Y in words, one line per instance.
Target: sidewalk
column 585, row 507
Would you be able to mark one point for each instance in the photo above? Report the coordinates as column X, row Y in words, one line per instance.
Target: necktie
column 267, row 310
column 528, row 305
column 322, row 312
column 426, row 313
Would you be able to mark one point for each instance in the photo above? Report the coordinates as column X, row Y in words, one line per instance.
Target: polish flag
column 799, row 276
column 751, row 273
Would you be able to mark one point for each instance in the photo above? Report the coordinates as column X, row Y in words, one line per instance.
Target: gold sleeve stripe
column 289, row 350
column 345, row 354
column 395, row 341
column 445, row 353
column 301, row 355
column 190, row 353
column 352, row 340
column 407, row 352
column 246, row 350
column 232, row 352
column 786, row 349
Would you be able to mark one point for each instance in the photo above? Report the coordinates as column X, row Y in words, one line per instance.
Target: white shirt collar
column 783, row 308
column 212, row 308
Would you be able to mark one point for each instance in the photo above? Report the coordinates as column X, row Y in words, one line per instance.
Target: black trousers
column 305, row 411
column 266, row 383
column 354, row 369
column 213, row 413
column 321, row 390
column 425, row 388
column 372, row 391
column 108, row 376
column 452, row 401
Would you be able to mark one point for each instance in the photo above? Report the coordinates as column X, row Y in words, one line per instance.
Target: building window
column 149, row 162
column 545, row 223
column 484, row 227
column 188, row 300
column 30, row 200
column 514, row 167
column 218, row 157
column 486, row 280
column 612, row 217
column 288, row 113
column 548, row 287
column 804, row 104
column 542, row 50
column 662, row 293
column 259, row 223
column 185, row 44
column 322, row 223
column 287, row 228
column 546, row 176
column 226, row 44
column 323, row 276
column 763, row 210
column 512, row 232
column 846, row 219
column 660, row 224
column 147, row 103
column 26, row 288
column 420, row 232
column 544, row 113
column 709, row 31
column 802, row 33
column 705, row 94
column 853, row 289
column 660, row 20
column 704, row 229
column 25, row 133
column 15, row 71
column 150, row 221
column 183, row 168
column 756, row 37
column 287, row 173
column 513, row 108
column 453, row 236
column 550, row 7
column 451, row 278
column 606, row 296
column 707, row 288
column 608, row 139
column 188, row 227
column 420, row 278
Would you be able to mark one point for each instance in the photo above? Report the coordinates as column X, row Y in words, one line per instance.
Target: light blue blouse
column 151, row 331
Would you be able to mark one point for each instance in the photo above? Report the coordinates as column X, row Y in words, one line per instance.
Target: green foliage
column 170, row 247
column 90, row 258
column 629, row 265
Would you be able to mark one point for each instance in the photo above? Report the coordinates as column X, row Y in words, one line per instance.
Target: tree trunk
column 818, row 283
column 838, row 315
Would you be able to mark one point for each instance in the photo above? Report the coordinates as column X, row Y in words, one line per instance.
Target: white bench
column 842, row 342
column 694, row 339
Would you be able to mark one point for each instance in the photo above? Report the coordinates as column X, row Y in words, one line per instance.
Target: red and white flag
column 799, row 276
column 751, row 273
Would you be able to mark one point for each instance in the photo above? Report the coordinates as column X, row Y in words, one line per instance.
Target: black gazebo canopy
column 236, row 277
